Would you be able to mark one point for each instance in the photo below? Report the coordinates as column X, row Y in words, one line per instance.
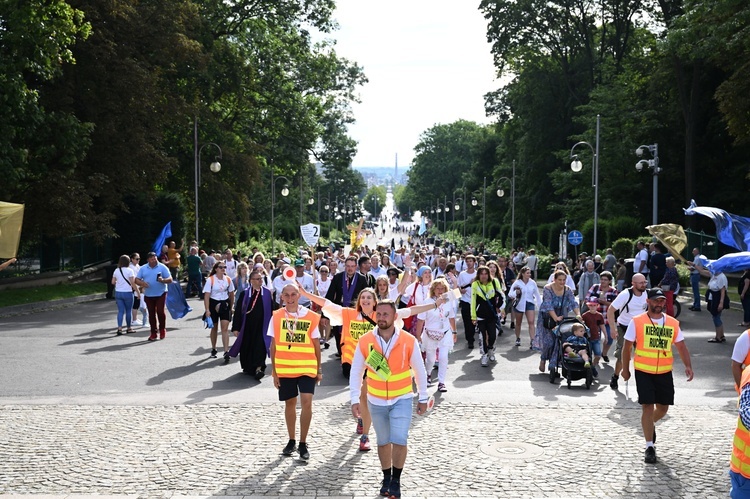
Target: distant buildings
column 383, row 175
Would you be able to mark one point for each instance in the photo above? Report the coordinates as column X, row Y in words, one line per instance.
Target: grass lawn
column 46, row 293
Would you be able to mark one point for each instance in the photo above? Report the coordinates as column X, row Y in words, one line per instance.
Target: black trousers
column 469, row 331
column 336, row 331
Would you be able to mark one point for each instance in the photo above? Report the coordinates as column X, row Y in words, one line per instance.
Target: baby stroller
column 572, row 368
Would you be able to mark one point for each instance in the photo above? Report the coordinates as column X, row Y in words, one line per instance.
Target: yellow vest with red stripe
column 740, row 461
column 352, row 330
column 295, row 351
column 399, row 357
column 653, row 344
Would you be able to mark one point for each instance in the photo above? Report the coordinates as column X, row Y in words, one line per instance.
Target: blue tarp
column 176, row 302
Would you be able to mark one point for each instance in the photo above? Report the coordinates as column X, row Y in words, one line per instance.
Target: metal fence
column 69, row 253
column 707, row 244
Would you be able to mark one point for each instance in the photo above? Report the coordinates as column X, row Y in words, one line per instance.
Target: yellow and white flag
column 11, row 221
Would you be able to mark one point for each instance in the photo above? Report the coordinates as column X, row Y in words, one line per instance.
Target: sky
column 428, row 62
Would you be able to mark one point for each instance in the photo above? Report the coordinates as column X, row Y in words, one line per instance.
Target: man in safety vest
column 654, row 333
column 295, row 352
column 389, row 356
column 740, row 357
column 739, row 464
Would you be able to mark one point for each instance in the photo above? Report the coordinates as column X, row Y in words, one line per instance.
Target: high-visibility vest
column 399, row 356
column 740, row 460
column 353, row 329
column 295, row 352
column 745, row 361
column 653, row 344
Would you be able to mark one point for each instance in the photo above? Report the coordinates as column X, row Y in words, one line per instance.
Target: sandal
column 119, row 332
column 717, row 340
column 130, row 331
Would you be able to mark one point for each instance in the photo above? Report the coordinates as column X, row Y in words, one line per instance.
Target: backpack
column 625, row 308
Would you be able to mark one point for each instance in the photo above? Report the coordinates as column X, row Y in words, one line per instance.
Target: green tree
column 374, row 200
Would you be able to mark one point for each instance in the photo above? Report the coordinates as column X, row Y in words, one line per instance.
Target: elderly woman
column 558, row 301
column 717, row 299
column 669, row 284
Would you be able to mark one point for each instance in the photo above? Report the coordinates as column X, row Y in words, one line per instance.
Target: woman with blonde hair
column 437, row 332
column 124, row 282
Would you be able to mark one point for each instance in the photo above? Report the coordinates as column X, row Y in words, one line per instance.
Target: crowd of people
column 391, row 314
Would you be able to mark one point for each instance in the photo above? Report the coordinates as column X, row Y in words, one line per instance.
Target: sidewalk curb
column 30, row 308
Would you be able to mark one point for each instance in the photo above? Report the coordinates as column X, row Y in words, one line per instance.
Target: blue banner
column 731, row 262
column 422, row 227
column 165, row 233
column 732, row 230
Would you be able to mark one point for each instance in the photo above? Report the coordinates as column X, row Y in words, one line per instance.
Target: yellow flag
column 672, row 236
column 11, row 221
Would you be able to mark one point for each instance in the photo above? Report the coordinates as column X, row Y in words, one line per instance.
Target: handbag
column 435, row 335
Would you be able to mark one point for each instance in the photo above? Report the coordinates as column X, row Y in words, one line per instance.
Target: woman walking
column 604, row 294
column 525, row 294
column 218, row 296
column 717, row 299
column 487, row 304
column 124, row 282
column 250, row 325
column 558, row 301
column 437, row 332
column 242, row 281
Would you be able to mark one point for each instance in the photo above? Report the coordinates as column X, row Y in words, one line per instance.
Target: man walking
column 653, row 334
column 629, row 303
column 465, row 279
column 389, row 356
column 295, row 352
column 154, row 278
column 695, row 279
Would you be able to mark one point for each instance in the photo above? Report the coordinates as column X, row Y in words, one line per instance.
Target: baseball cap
column 299, row 262
column 655, row 294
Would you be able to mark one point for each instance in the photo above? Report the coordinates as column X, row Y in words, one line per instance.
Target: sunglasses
column 221, row 267
column 323, row 271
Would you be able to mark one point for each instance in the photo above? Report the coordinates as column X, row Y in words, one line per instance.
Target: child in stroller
column 577, row 345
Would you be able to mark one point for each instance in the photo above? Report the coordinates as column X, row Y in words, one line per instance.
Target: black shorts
column 291, row 387
column 219, row 310
column 654, row 388
column 136, row 302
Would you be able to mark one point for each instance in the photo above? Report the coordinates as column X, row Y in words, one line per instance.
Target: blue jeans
column 124, row 301
column 391, row 422
column 740, row 486
column 695, row 281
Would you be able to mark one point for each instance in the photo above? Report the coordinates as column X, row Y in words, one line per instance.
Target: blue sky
column 427, row 62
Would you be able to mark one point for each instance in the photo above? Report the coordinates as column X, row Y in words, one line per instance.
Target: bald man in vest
column 388, row 356
column 295, row 352
column 653, row 334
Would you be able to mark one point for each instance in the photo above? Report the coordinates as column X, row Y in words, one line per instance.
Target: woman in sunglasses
column 218, row 295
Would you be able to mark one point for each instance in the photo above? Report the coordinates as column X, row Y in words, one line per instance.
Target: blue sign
column 575, row 237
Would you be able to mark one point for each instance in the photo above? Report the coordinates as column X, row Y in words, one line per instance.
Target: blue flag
column 422, row 227
column 165, row 233
column 732, row 230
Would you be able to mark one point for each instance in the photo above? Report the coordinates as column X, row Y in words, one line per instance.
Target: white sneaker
column 137, row 323
column 484, row 360
column 492, row 355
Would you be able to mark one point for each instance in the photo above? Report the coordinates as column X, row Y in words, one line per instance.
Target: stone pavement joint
column 588, row 450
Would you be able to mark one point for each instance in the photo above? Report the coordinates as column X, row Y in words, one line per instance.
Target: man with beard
column 653, row 334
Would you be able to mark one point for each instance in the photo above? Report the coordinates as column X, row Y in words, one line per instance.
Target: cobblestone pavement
column 466, row 450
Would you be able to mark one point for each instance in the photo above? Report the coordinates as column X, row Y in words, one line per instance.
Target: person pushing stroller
column 576, row 345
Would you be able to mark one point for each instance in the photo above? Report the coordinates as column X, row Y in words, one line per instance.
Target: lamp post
column 654, row 165
column 285, row 193
column 457, row 206
column 215, row 168
column 577, row 166
column 501, row 193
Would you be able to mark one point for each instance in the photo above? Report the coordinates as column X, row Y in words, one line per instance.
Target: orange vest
column 353, row 329
column 399, row 353
column 653, row 344
column 745, row 363
column 295, row 351
column 740, row 461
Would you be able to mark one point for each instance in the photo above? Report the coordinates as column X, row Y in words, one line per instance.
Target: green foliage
column 374, row 200
column 623, row 248
column 10, row 297
column 546, row 263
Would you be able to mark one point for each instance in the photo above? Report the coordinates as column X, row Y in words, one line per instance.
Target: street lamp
column 577, row 166
column 285, row 193
column 215, row 167
column 501, row 193
column 441, row 208
column 654, row 165
column 457, row 206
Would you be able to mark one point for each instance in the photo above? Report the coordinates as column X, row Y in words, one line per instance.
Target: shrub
column 623, row 248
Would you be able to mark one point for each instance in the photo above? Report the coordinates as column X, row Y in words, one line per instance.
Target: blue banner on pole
column 422, row 227
column 732, row 230
column 165, row 233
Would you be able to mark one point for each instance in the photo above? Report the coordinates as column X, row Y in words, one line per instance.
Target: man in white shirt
column 519, row 259
column 439, row 270
column 640, row 264
column 464, row 283
column 231, row 264
column 532, row 262
column 304, row 280
column 629, row 303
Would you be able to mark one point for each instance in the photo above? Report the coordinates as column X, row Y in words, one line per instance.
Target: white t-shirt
column 306, row 282
column 464, row 279
column 438, row 319
column 636, row 306
column 219, row 289
column 741, row 348
column 231, row 269
column 421, row 295
column 641, row 256
column 123, row 276
column 323, row 286
column 393, row 290
column 301, row 313
column 630, row 332
column 278, row 285
column 717, row 282
column 520, row 257
column 531, row 262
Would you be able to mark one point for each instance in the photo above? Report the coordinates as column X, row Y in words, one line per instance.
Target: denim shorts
column 391, row 422
column 596, row 347
column 530, row 306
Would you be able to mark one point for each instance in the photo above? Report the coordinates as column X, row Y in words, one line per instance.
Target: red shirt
column 593, row 321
